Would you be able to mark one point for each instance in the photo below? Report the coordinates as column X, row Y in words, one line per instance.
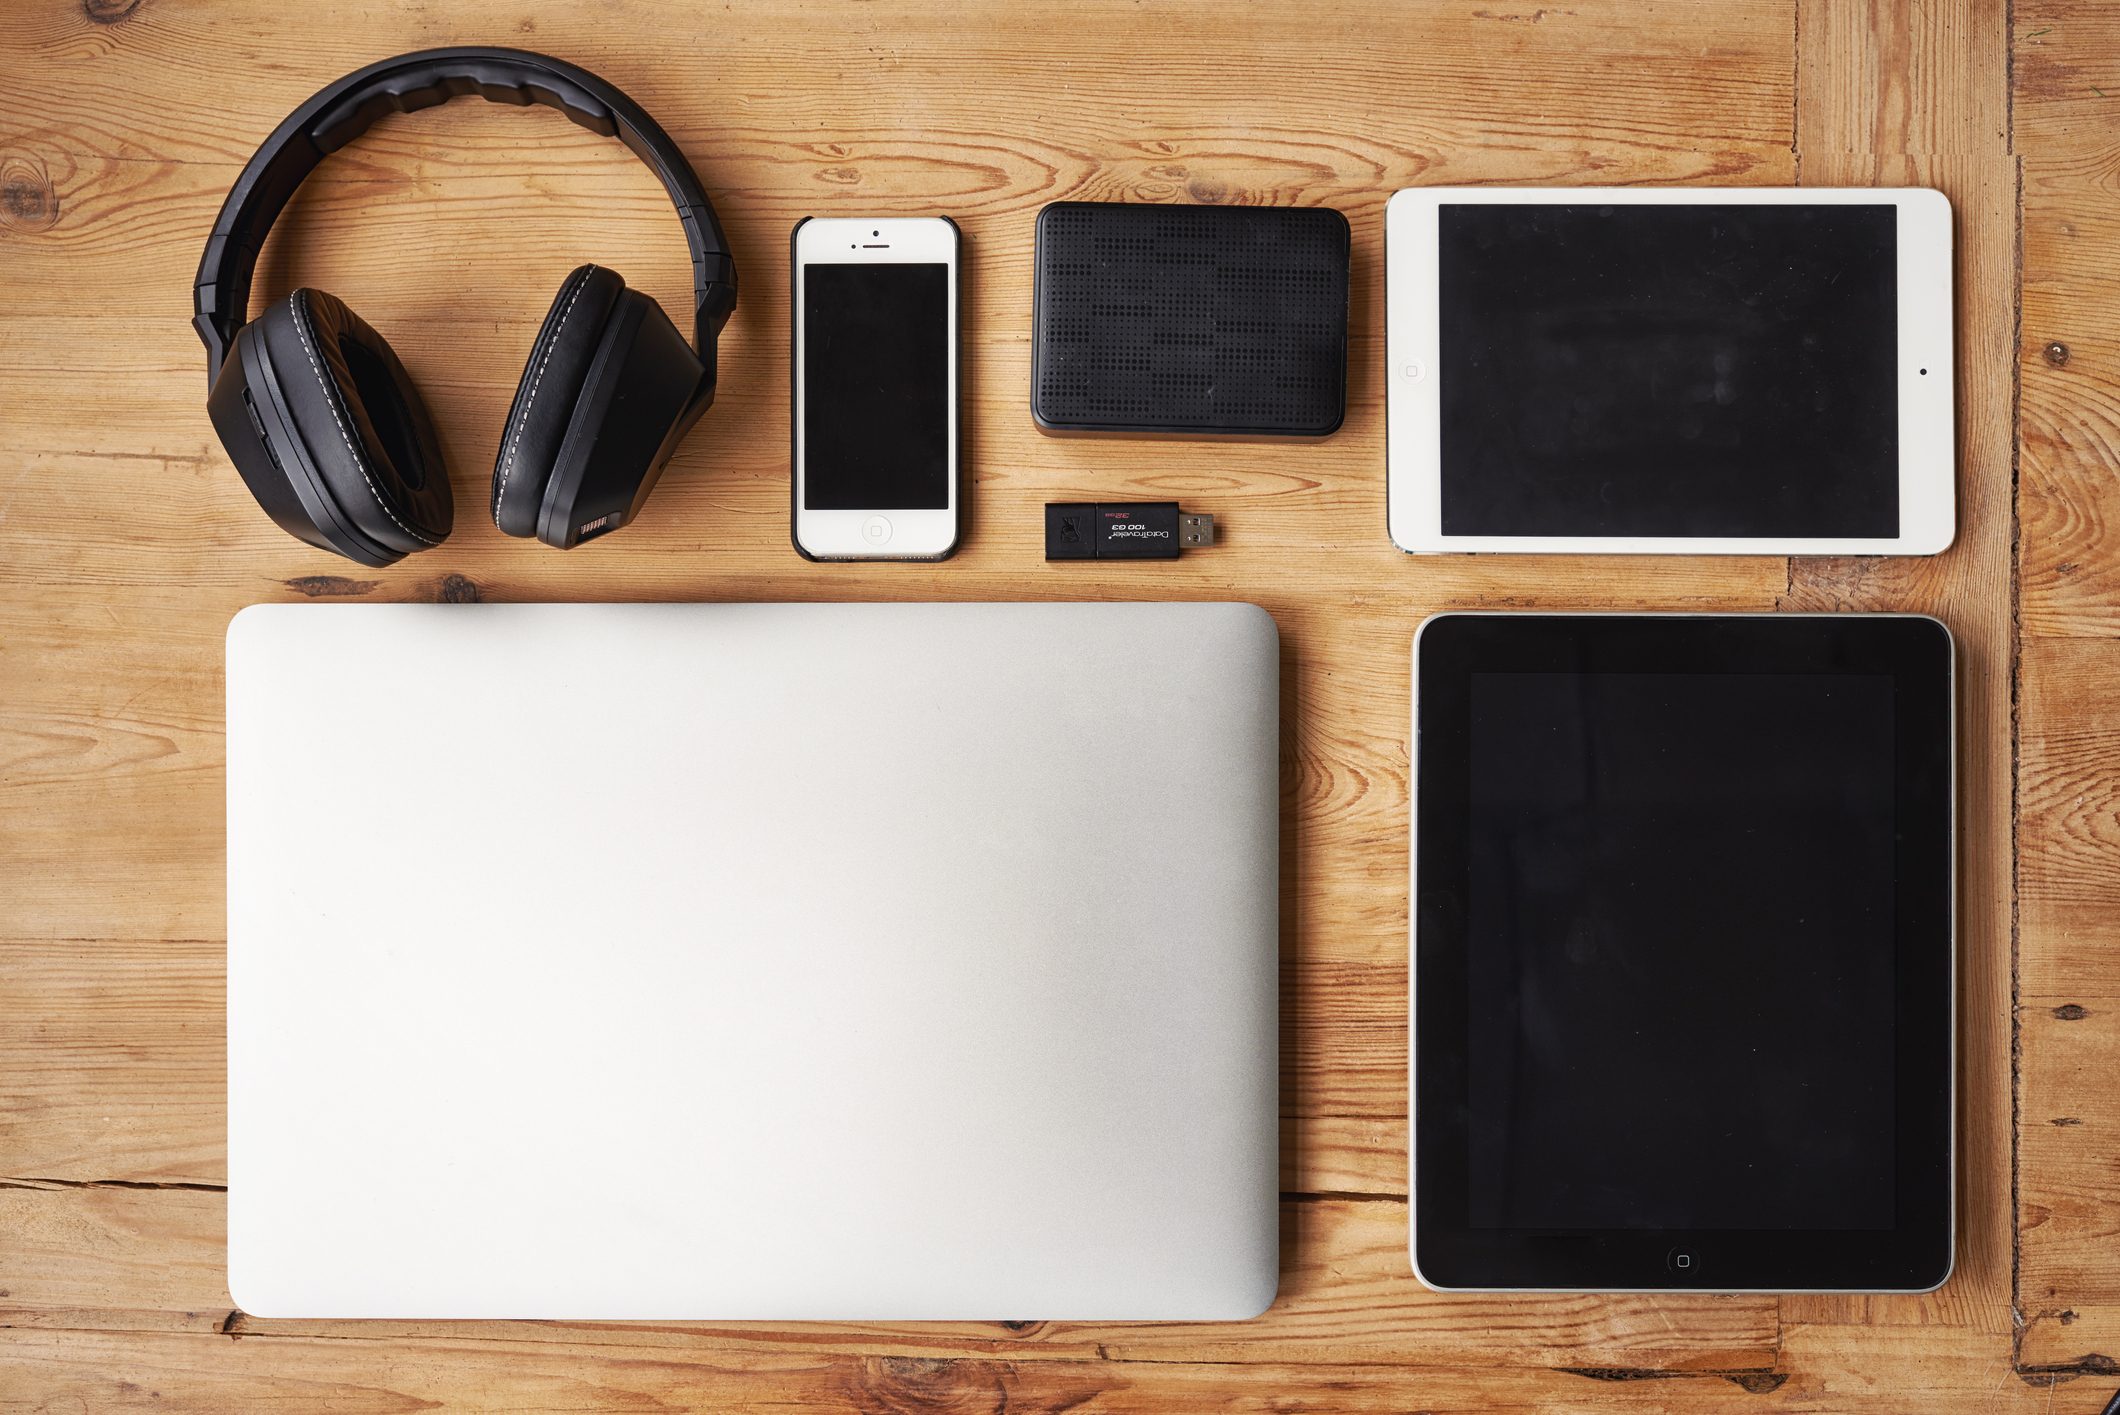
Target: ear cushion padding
column 545, row 399
column 360, row 419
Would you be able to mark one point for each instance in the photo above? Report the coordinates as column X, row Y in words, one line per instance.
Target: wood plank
column 2069, row 1272
column 113, row 1061
column 2069, row 817
column 1901, row 95
column 189, row 1371
column 2069, row 1187
column 129, row 1259
column 1969, row 589
column 2070, row 370
column 2067, row 99
column 2067, row 75
column 1900, row 79
column 1610, row 78
column 1913, row 1368
column 179, row 1372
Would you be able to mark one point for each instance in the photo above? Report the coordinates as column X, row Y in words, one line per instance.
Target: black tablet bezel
column 1914, row 1255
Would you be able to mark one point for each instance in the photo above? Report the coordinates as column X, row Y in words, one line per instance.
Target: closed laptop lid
column 753, row 961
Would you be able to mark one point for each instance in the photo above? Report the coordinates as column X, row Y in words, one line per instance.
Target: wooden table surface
column 127, row 541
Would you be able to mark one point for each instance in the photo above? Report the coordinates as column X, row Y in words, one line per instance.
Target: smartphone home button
column 876, row 531
column 1683, row 1261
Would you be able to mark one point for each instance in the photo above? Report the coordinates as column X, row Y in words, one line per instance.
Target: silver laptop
column 752, row 961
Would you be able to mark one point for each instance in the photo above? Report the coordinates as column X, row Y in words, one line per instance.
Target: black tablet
column 1683, row 952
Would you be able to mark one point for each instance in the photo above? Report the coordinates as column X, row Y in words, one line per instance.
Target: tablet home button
column 1683, row 1262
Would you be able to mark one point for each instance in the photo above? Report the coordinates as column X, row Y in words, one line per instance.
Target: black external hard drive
column 1190, row 320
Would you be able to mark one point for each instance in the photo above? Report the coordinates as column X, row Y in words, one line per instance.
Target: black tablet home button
column 1683, row 1261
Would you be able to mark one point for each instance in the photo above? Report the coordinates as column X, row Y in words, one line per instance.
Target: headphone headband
column 345, row 109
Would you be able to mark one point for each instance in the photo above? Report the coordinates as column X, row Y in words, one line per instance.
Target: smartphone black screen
column 876, row 387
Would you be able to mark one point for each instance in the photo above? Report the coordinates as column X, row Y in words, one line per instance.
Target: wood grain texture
column 2069, row 1279
column 126, row 542
column 2067, row 94
column 2069, row 357
column 2068, row 801
column 426, row 1372
column 1909, row 95
column 105, row 1257
column 2067, row 104
column 1901, row 80
column 1962, row 588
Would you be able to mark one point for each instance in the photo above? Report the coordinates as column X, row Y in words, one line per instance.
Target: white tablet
column 1761, row 371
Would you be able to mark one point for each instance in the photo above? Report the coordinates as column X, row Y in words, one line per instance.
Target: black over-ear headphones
column 319, row 415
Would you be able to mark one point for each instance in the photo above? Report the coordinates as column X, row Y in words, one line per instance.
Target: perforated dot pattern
column 1210, row 319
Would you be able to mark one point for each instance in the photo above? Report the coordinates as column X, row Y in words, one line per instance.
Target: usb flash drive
column 1123, row 530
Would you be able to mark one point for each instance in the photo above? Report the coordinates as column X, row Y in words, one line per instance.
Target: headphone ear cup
column 545, row 399
column 359, row 420
column 645, row 387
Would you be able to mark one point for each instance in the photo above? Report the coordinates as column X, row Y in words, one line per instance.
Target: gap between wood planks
column 2016, row 654
column 42, row 1182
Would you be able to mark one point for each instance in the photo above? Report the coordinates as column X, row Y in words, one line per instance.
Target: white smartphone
column 1670, row 370
column 874, row 408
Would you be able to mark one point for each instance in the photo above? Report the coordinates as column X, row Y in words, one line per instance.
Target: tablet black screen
column 1669, row 370
column 1680, row 951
